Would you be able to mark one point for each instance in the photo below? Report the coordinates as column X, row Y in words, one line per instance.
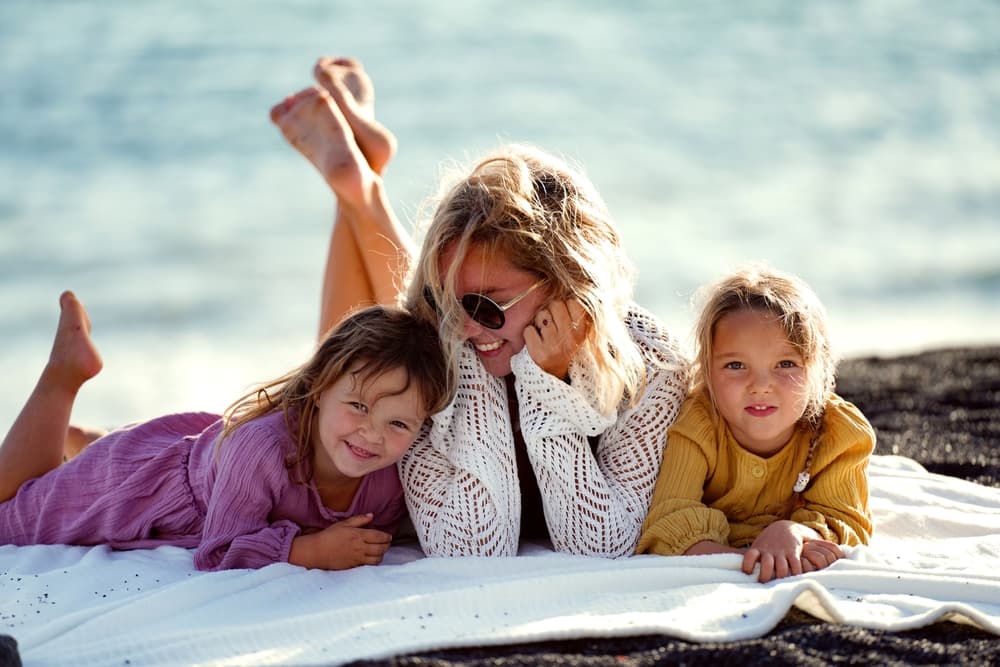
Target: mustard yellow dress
column 710, row 488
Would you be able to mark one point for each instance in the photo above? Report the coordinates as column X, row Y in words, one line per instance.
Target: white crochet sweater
column 460, row 476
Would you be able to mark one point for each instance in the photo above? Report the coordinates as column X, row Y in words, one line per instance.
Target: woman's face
column 496, row 277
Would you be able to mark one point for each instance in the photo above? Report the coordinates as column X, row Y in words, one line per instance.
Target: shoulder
column 697, row 420
column 658, row 345
column 844, row 423
column 265, row 440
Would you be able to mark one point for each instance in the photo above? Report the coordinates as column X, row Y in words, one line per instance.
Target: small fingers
column 821, row 553
column 782, row 568
column 766, row 568
column 377, row 537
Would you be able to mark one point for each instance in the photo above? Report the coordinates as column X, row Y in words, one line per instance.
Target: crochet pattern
column 460, row 476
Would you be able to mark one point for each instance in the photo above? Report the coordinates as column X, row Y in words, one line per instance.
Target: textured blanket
column 935, row 556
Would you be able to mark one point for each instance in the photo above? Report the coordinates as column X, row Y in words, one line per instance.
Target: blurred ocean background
column 854, row 143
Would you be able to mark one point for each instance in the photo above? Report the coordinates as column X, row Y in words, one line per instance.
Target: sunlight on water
column 854, row 143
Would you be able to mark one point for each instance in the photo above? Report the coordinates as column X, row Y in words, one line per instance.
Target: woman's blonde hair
column 545, row 218
column 797, row 309
column 367, row 343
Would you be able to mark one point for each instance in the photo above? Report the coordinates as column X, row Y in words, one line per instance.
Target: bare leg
column 77, row 439
column 34, row 444
column 370, row 252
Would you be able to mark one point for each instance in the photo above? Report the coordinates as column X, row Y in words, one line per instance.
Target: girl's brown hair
column 369, row 342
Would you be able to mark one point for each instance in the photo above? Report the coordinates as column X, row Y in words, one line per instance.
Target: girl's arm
column 836, row 501
column 678, row 521
column 595, row 503
column 460, row 476
column 251, row 478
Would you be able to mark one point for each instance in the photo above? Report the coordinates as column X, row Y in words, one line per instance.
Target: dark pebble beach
column 941, row 408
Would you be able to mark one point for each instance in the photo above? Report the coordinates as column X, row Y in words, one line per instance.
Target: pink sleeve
column 251, row 479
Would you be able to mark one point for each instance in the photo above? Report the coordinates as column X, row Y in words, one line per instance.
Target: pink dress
column 164, row 482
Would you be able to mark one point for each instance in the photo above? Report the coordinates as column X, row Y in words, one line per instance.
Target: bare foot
column 77, row 439
column 312, row 122
column 74, row 358
column 351, row 88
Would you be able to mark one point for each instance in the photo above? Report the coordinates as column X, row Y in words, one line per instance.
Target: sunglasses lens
column 483, row 310
column 429, row 298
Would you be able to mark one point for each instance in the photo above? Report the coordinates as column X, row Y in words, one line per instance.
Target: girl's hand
column 817, row 554
column 778, row 550
column 556, row 334
column 343, row 545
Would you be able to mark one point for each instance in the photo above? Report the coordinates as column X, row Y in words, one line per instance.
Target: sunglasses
column 482, row 308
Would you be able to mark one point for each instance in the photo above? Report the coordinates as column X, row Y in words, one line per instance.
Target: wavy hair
column 797, row 309
column 546, row 218
column 368, row 343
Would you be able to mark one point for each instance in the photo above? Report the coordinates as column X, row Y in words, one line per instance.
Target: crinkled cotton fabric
column 164, row 482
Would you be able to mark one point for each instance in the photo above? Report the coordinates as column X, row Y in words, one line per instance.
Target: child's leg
column 34, row 444
column 77, row 439
column 336, row 131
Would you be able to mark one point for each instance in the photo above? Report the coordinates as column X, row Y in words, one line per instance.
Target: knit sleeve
column 836, row 501
column 595, row 501
column 460, row 476
column 251, row 478
column 678, row 519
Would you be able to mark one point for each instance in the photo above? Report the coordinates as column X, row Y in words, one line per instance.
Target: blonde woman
column 565, row 388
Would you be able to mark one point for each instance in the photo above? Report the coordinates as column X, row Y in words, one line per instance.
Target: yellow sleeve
column 836, row 501
column 677, row 518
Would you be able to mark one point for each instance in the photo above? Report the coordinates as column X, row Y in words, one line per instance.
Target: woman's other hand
column 556, row 334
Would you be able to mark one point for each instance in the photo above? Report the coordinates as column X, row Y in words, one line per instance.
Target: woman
column 565, row 388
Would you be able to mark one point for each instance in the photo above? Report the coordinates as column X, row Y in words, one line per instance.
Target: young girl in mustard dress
column 764, row 459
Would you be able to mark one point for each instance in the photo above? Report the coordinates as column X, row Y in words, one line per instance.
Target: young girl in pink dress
column 301, row 470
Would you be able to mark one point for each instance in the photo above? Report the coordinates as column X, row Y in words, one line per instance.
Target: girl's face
column 496, row 277
column 363, row 424
column 758, row 380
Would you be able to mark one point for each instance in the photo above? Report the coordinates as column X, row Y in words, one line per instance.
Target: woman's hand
column 343, row 545
column 778, row 549
column 556, row 334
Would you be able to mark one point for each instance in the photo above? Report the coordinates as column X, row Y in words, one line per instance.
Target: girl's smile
column 365, row 423
column 758, row 380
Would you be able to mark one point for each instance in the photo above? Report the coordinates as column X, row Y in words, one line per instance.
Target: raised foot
column 311, row 122
column 351, row 88
column 74, row 358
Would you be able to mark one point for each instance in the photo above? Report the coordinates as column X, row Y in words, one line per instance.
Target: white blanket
column 935, row 556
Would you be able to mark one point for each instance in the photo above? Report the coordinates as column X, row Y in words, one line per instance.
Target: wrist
column 304, row 552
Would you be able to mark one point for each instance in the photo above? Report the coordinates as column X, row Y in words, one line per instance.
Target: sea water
column 854, row 143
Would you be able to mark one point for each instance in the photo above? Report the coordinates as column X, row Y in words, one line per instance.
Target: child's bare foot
column 312, row 122
column 74, row 358
column 351, row 88
column 77, row 439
